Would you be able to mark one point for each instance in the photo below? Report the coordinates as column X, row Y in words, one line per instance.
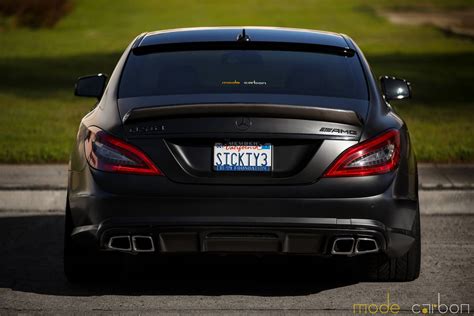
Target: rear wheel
column 405, row 268
column 80, row 264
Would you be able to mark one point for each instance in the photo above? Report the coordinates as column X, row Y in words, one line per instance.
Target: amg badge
column 338, row 131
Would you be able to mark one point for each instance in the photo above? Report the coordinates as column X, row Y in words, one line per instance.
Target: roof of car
column 227, row 34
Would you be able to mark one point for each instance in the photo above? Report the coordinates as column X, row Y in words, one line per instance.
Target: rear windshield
column 243, row 71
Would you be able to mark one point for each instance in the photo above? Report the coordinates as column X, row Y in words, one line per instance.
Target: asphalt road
column 31, row 278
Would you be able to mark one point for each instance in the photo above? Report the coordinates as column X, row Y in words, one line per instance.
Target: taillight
column 374, row 156
column 108, row 153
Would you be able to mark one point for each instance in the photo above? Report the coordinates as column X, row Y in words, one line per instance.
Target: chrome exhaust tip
column 343, row 246
column 366, row 245
column 121, row 243
column 143, row 244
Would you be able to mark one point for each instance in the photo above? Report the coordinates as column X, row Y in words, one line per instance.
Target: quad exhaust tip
column 343, row 246
column 143, row 244
column 121, row 243
column 136, row 243
column 366, row 245
column 350, row 246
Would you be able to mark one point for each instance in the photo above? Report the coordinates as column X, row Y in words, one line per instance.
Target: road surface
column 31, row 278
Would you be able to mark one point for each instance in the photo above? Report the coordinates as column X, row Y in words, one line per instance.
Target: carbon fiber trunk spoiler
column 244, row 109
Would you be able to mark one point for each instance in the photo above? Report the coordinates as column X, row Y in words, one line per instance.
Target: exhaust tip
column 343, row 246
column 366, row 245
column 121, row 243
column 143, row 244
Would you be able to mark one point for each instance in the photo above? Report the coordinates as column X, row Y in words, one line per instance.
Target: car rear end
column 255, row 146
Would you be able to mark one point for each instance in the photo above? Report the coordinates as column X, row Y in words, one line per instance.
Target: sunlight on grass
column 40, row 116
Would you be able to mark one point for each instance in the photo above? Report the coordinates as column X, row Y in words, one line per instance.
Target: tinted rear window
column 243, row 71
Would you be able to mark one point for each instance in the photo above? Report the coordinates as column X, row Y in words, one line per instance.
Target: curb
column 32, row 188
column 33, row 200
column 445, row 187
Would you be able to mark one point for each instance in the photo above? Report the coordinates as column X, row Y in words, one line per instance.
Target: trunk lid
column 180, row 139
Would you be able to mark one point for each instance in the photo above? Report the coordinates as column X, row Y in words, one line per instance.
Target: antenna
column 243, row 37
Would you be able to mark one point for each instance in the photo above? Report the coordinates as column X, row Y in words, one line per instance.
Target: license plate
column 242, row 156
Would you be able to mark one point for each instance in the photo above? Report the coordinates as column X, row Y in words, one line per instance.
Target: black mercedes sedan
column 251, row 141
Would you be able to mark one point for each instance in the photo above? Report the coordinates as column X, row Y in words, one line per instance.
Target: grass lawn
column 39, row 114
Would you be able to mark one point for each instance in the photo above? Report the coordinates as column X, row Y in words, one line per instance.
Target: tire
column 80, row 264
column 402, row 269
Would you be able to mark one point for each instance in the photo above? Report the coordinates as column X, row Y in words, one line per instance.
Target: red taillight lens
column 374, row 156
column 107, row 153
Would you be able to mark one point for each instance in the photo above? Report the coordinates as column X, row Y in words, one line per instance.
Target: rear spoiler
column 244, row 109
column 238, row 45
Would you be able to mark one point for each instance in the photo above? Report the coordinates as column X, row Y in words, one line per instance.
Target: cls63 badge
column 338, row 131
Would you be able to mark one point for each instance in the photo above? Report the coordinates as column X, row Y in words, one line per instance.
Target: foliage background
column 39, row 114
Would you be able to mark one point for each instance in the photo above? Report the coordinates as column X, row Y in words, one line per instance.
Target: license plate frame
column 242, row 156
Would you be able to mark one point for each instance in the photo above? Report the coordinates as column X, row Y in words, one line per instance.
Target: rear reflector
column 374, row 156
column 108, row 153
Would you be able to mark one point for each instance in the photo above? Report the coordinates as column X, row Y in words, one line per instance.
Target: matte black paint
column 91, row 86
column 395, row 89
column 192, row 199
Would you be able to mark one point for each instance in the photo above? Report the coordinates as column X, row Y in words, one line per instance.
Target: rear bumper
column 276, row 225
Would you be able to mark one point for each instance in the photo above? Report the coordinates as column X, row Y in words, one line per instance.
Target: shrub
column 35, row 13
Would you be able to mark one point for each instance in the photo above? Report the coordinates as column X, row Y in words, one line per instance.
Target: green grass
column 39, row 116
